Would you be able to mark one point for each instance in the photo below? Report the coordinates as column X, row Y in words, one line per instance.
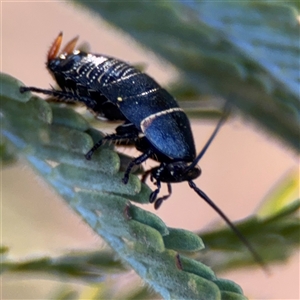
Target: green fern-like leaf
column 275, row 237
column 53, row 142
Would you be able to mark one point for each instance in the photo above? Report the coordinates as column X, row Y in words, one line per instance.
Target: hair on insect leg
column 113, row 138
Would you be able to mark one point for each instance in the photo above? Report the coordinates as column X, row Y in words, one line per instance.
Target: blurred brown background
column 242, row 164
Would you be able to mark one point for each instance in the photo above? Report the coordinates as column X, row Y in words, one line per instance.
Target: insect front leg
column 153, row 196
column 157, row 174
column 137, row 161
column 160, row 200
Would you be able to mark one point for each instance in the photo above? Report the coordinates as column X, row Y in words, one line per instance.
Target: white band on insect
column 148, row 120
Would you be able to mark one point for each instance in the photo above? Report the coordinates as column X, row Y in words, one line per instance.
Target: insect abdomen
column 134, row 95
column 149, row 107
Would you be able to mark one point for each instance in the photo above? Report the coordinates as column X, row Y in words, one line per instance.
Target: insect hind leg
column 112, row 137
column 126, row 133
column 60, row 96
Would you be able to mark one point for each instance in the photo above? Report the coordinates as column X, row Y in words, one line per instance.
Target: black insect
column 152, row 120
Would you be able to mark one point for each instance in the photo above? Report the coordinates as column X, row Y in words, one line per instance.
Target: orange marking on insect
column 53, row 51
column 68, row 49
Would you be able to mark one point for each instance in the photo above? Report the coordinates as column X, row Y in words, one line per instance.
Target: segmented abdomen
column 114, row 78
column 134, row 95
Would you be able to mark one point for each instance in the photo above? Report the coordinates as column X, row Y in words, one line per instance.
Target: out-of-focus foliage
column 245, row 51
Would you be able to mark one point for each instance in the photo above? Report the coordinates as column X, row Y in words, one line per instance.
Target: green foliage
column 55, row 147
column 7, row 156
column 275, row 237
column 273, row 231
column 90, row 267
column 245, row 51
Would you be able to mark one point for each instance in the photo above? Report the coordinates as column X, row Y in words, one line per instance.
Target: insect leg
column 60, row 96
column 111, row 137
column 160, row 200
column 154, row 194
column 137, row 161
column 125, row 132
column 146, row 175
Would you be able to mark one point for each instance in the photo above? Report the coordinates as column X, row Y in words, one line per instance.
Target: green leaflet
column 54, row 146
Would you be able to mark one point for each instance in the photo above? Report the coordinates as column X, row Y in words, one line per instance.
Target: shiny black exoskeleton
column 152, row 120
column 114, row 90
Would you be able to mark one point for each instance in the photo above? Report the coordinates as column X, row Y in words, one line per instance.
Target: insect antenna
column 213, row 135
column 242, row 238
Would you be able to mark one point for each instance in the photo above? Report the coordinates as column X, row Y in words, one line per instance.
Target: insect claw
column 158, row 203
column 125, row 179
column 153, row 196
column 88, row 156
